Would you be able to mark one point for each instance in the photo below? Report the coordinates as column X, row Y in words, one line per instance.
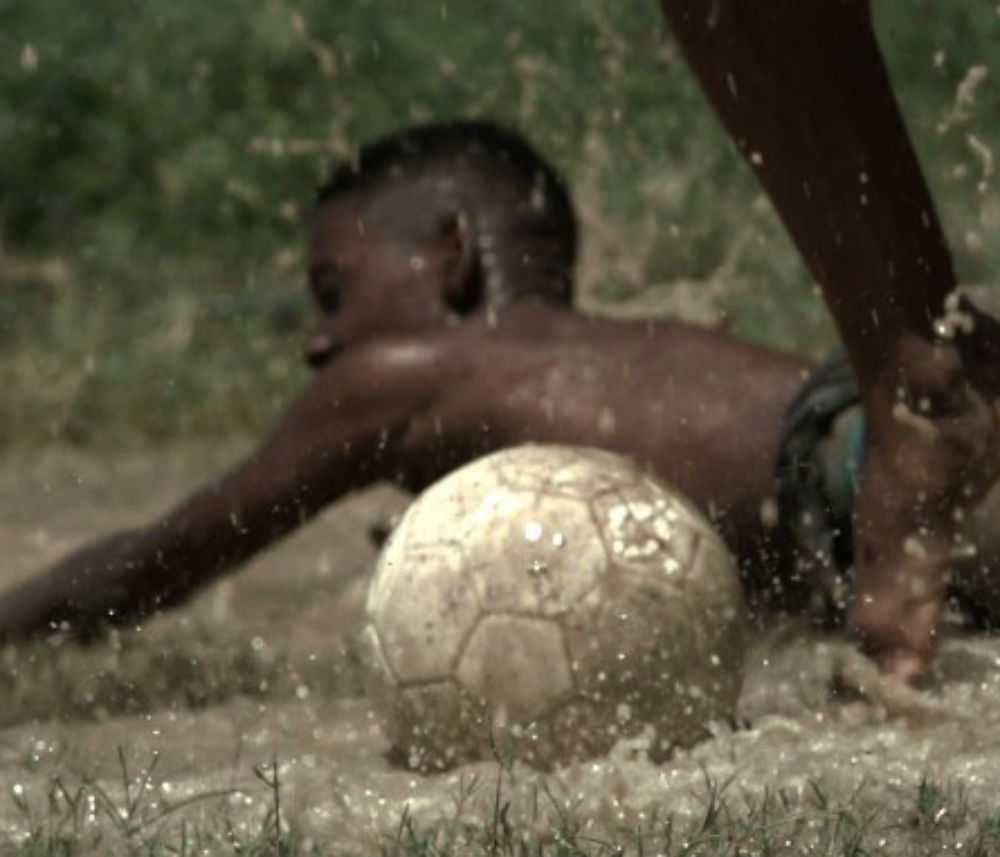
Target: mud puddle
column 810, row 714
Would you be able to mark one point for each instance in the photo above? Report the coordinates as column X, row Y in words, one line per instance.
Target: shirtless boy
column 442, row 263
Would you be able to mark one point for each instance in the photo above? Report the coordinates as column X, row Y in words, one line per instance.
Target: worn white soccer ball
column 557, row 597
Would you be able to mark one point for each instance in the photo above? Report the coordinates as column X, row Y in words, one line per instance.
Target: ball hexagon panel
column 715, row 587
column 529, row 560
column 687, row 511
column 623, row 636
column 644, row 529
column 517, row 666
column 446, row 502
column 423, row 609
column 639, row 642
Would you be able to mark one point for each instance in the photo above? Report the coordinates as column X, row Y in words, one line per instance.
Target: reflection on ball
column 556, row 596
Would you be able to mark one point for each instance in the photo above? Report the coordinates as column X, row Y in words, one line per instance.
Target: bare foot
column 855, row 676
column 935, row 450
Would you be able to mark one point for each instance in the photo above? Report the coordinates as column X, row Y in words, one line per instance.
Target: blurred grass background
column 157, row 164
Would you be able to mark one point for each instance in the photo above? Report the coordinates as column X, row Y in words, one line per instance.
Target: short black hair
column 514, row 200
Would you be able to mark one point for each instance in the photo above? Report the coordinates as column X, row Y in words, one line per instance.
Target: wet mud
column 812, row 714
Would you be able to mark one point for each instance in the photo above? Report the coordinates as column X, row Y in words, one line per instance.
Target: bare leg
column 802, row 89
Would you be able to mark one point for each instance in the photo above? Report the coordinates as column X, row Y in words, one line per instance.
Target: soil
column 811, row 710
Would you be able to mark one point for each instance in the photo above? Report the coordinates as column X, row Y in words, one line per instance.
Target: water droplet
column 538, row 568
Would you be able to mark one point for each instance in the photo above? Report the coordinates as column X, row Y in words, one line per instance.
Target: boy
column 442, row 263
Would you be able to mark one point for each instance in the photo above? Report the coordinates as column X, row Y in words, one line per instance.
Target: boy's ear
column 461, row 273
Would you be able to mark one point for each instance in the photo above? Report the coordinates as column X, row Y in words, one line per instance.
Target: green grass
column 135, row 816
column 157, row 163
column 53, row 806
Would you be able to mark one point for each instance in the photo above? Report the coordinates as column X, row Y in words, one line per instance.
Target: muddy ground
column 261, row 667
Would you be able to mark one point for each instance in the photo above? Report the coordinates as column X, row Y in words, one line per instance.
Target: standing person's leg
column 802, row 89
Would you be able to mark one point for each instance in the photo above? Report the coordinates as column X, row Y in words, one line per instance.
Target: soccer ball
column 557, row 598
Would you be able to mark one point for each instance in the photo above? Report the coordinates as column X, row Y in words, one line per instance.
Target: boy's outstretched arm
column 338, row 435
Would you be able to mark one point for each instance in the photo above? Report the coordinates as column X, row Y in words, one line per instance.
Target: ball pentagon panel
column 530, row 553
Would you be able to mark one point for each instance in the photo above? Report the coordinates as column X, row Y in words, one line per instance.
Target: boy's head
column 433, row 223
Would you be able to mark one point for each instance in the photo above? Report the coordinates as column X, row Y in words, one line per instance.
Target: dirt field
column 261, row 667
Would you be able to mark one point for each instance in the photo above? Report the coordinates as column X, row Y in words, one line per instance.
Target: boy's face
column 368, row 282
